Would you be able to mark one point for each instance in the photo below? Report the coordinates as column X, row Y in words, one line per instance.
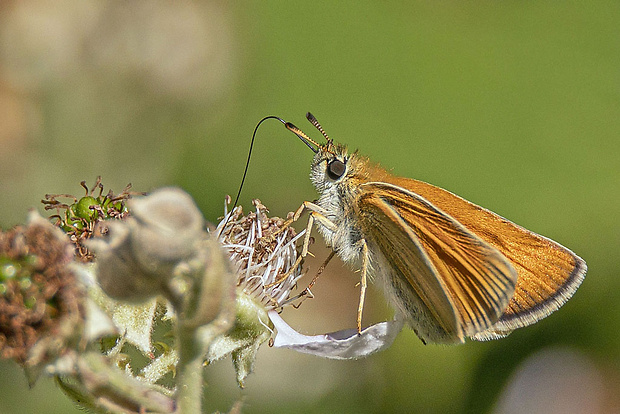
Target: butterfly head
column 333, row 166
column 330, row 167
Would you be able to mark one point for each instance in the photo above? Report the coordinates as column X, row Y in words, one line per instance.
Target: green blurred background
column 512, row 105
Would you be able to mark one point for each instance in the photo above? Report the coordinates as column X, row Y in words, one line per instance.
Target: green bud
column 81, row 208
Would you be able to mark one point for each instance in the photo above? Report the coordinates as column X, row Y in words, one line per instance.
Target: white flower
column 346, row 344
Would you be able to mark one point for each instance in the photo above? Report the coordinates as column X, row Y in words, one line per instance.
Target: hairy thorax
column 346, row 240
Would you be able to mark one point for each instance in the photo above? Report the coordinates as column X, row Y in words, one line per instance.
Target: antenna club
column 318, row 126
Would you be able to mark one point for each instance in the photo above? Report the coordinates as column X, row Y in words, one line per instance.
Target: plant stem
column 189, row 383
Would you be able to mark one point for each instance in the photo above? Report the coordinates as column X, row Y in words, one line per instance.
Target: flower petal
column 346, row 344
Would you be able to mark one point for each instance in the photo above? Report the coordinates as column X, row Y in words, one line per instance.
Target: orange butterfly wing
column 548, row 273
column 453, row 273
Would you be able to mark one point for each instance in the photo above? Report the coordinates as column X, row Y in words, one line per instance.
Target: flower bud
column 138, row 257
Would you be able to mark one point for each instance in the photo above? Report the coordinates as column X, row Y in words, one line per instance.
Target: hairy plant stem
column 207, row 312
column 190, row 384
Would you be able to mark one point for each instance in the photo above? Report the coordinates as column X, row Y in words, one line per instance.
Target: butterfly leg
column 307, row 205
column 307, row 293
column 315, row 213
column 318, row 213
column 363, row 285
column 321, row 269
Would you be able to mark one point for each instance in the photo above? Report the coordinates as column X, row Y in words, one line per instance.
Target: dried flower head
column 82, row 218
column 265, row 254
column 38, row 292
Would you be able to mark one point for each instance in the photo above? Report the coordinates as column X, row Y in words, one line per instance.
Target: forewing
column 476, row 278
column 422, row 298
column 548, row 273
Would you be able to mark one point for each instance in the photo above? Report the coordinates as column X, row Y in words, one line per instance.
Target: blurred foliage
column 512, row 105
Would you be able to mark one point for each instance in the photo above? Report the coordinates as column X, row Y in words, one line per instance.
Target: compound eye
column 335, row 169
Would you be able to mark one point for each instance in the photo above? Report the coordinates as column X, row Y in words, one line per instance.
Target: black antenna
column 247, row 163
column 303, row 137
